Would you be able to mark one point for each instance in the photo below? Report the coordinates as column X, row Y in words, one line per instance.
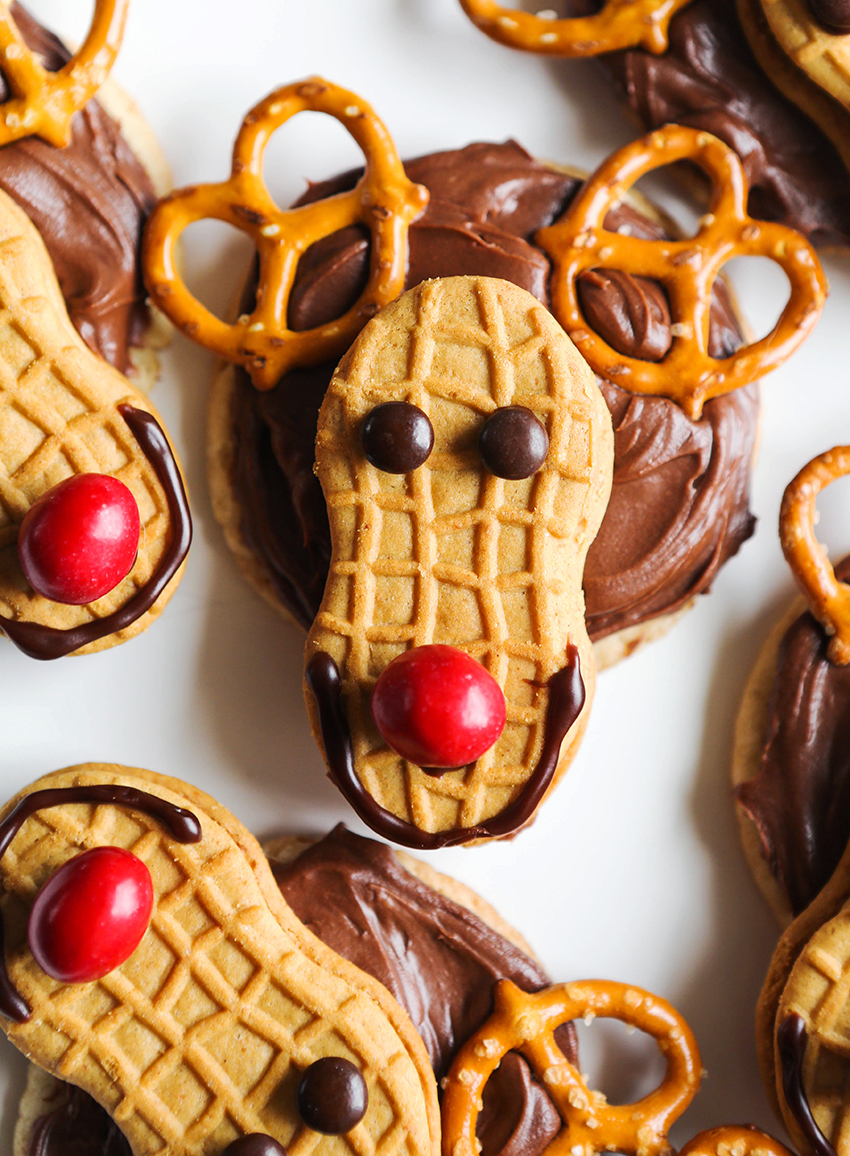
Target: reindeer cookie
column 229, row 1019
column 465, row 454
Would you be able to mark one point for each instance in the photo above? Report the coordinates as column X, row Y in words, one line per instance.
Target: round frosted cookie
column 260, row 445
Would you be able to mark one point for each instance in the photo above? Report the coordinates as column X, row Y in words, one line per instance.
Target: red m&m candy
column 437, row 707
column 90, row 915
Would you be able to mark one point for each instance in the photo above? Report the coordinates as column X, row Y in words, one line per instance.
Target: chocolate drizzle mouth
column 566, row 699
column 181, row 825
column 791, row 1040
column 47, row 642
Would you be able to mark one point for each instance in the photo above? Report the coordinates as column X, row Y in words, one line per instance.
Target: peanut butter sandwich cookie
column 434, row 944
column 790, row 765
column 679, row 504
column 151, row 960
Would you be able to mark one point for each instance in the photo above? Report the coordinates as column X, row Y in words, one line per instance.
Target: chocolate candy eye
column 255, row 1145
column 513, row 443
column 397, row 437
column 332, row 1096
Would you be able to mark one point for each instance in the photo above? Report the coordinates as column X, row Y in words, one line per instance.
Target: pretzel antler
column 687, row 269
column 383, row 199
column 733, row 1140
column 618, row 24
column 829, row 599
column 526, row 1023
column 44, row 102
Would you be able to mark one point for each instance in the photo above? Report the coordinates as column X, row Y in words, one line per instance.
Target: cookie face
column 453, row 555
column 65, row 412
column 224, row 962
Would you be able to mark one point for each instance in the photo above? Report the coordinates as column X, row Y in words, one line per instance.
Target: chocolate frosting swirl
column 89, row 201
column 685, row 483
column 439, row 961
column 709, row 78
column 800, row 797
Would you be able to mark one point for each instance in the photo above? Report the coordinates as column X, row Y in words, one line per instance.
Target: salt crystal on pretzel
column 44, row 102
column 526, row 1023
column 829, row 599
column 383, row 199
column 686, row 268
column 618, row 24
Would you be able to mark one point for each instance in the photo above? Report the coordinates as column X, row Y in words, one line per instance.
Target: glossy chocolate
column 332, row 1096
column 708, row 78
column 396, row 437
column 566, row 699
column 517, row 1117
column 669, row 527
column 181, row 825
column 77, row 1126
column 89, row 201
column 800, row 797
column 834, row 15
column 631, row 313
column 48, row 642
column 791, row 1042
column 254, row 1145
column 513, row 443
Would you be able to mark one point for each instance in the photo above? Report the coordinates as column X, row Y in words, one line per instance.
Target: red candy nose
column 90, row 915
column 437, row 707
column 80, row 539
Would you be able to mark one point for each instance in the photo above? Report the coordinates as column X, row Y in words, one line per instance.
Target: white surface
column 633, row 869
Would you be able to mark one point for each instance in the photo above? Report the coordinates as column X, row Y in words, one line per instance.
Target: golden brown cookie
column 65, row 411
column 223, row 960
column 446, row 551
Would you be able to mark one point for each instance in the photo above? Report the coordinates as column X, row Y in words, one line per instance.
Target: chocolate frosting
column 438, row 959
column 709, row 78
column 486, row 203
column 800, row 797
column 77, row 1126
column 834, row 15
column 89, row 201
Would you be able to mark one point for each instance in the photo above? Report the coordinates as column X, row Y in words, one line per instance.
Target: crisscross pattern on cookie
column 823, row 56
column 617, row 24
column 687, row 269
column 829, row 599
column 44, row 102
column 818, row 989
column 526, row 1023
column 59, row 416
column 203, row 1033
column 383, row 199
column 450, row 553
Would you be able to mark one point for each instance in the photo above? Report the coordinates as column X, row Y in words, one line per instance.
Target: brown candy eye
column 513, row 443
column 397, row 437
column 332, row 1096
column 254, row 1145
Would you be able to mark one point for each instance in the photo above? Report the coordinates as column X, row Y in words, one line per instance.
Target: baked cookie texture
column 679, row 503
column 200, row 1036
column 449, row 553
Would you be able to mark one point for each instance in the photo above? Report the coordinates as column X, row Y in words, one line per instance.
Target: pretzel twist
column 526, row 1023
column 734, row 1140
column 383, row 199
column 43, row 102
column 618, row 24
column 829, row 599
column 686, row 268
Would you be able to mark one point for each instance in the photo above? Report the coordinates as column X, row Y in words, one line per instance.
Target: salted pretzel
column 829, row 599
column 383, row 199
column 618, row 24
column 44, row 102
column 686, row 268
column 526, row 1023
column 731, row 1140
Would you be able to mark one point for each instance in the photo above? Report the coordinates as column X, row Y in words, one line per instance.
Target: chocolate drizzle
column 181, row 825
column 791, row 1042
column 48, row 642
column 566, row 699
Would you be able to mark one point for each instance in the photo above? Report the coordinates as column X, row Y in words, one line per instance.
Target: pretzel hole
column 631, row 314
column 214, row 262
column 762, row 289
column 308, row 143
column 674, row 213
column 623, row 1063
column 833, row 527
column 70, row 20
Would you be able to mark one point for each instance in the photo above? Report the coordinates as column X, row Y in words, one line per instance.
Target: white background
column 633, row 869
